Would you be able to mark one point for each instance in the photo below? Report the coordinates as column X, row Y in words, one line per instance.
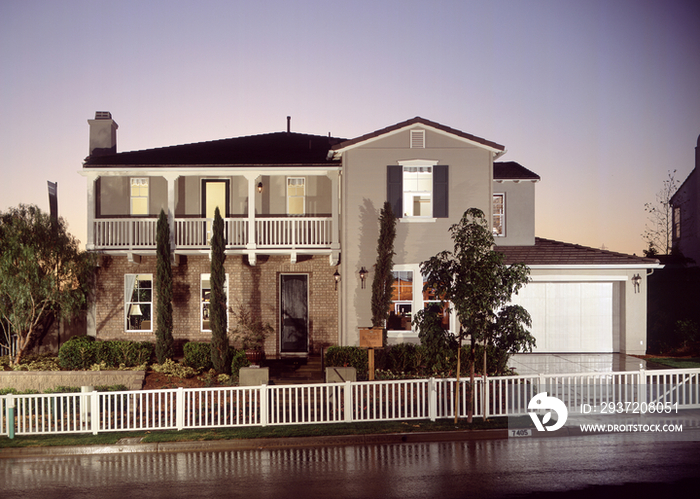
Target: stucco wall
column 519, row 211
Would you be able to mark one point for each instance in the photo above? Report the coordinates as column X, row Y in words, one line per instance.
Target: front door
column 294, row 309
column 214, row 195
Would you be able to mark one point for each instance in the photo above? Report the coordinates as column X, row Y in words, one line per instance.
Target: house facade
column 301, row 223
column 685, row 205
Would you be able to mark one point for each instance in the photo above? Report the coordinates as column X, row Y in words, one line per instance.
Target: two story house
column 685, row 205
column 301, row 227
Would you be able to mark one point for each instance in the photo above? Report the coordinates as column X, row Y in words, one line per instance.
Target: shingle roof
column 280, row 148
column 549, row 252
column 422, row 121
column 510, row 170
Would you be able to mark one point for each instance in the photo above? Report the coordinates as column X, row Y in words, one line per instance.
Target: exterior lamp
column 336, row 276
column 636, row 280
column 363, row 274
column 260, row 187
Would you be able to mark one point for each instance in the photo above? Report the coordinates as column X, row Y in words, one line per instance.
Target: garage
column 571, row 316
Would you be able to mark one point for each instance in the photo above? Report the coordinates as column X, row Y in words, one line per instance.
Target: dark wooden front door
column 294, row 309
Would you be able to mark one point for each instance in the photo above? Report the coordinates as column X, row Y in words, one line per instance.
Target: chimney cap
column 103, row 115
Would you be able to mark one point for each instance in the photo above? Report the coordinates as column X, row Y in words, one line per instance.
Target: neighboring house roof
column 280, row 148
column 556, row 253
column 510, row 170
column 418, row 121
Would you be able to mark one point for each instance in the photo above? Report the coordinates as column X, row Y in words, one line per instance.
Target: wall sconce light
column 636, row 280
column 260, row 187
column 336, row 276
column 363, row 274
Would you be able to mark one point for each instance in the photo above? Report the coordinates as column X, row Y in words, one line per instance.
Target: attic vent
column 417, row 139
column 103, row 115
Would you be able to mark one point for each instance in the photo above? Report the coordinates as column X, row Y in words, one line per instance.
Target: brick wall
column 257, row 287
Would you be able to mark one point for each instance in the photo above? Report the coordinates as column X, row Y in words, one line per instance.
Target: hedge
column 81, row 352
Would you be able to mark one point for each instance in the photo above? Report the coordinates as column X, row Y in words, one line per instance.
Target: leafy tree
column 164, row 292
column 220, row 350
column 474, row 279
column 383, row 276
column 43, row 275
column 658, row 231
column 440, row 345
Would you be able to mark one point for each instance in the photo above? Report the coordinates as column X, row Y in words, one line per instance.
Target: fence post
column 94, row 412
column 642, row 386
column 180, row 408
column 10, row 401
column 432, row 399
column 347, row 405
column 264, row 394
column 486, row 396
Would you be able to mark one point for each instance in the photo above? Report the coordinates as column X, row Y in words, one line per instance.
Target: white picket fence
column 179, row 409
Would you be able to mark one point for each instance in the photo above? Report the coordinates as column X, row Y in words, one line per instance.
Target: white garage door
column 570, row 316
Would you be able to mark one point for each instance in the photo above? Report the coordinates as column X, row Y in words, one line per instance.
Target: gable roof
column 278, row 148
column 417, row 121
column 510, row 170
column 556, row 253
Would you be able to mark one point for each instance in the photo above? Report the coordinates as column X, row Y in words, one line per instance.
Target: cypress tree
column 164, row 289
column 383, row 276
column 220, row 352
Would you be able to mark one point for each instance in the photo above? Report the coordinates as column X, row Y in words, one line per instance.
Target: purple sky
column 601, row 98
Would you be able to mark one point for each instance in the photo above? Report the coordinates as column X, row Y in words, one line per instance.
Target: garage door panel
column 570, row 316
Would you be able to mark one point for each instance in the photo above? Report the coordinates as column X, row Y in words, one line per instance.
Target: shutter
column 440, row 191
column 394, row 188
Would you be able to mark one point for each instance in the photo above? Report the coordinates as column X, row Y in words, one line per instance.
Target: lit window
column 417, row 191
column 139, row 196
column 296, row 194
column 205, row 324
column 138, row 301
column 430, row 297
column 499, row 215
column 400, row 313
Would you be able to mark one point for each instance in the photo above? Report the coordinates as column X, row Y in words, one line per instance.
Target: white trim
column 577, row 278
column 503, row 224
column 369, row 140
column 416, row 220
column 205, row 170
column 596, row 267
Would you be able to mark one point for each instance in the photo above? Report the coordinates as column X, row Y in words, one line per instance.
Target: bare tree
column 658, row 230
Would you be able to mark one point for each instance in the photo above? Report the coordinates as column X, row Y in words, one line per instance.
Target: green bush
column 198, row 355
column 78, row 353
column 239, row 360
column 82, row 352
column 348, row 357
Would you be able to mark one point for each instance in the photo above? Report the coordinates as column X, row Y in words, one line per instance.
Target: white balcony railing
column 295, row 232
column 124, row 233
column 195, row 233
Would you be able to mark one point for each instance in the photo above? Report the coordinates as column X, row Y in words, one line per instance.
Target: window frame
column 289, row 197
column 410, row 194
column 141, row 303
column 502, row 215
column 141, row 182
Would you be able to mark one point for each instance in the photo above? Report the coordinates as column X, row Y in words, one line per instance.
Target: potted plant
column 249, row 332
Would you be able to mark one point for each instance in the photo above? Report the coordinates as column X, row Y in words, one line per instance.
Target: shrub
column 172, row 368
column 198, row 356
column 348, row 357
column 239, row 360
column 77, row 353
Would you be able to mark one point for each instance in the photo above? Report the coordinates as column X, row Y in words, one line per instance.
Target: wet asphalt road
column 593, row 466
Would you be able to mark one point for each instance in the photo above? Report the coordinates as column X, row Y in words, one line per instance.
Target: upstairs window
column 138, row 302
column 417, row 191
column 499, row 215
column 296, row 196
column 139, row 196
column 677, row 222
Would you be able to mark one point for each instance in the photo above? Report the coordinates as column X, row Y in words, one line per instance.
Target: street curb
column 254, row 444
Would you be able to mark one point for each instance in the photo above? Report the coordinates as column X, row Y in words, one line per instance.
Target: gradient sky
column 600, row 98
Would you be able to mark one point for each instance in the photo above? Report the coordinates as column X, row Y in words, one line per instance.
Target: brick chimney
column 103, row 134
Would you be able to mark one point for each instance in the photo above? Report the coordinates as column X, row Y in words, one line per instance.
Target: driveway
column 564, row 363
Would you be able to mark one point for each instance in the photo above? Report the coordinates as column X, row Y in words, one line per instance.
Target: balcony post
column 250, row 243
column 335, row 225
column 91, row 210
column 172, row 183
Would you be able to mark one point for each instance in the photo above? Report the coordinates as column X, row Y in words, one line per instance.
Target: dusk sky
column 600, row 98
